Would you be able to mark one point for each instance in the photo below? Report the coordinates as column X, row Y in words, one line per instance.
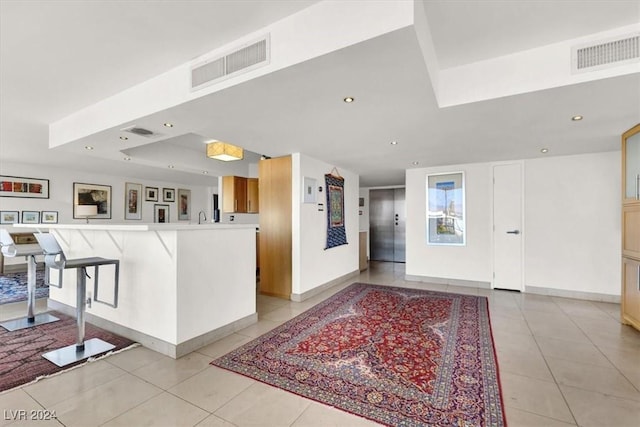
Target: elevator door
column 387, row 224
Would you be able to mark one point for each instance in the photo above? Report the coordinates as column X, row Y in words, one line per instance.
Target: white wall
column 469, row 262
column 314, row 266
column 571, row 229
column 61, row 194
column 573, row 223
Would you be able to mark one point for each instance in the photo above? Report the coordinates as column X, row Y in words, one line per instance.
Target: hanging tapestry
column 336, row 234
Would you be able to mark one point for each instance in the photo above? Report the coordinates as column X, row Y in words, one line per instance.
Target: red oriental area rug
column 396, row 356
column 21, row 360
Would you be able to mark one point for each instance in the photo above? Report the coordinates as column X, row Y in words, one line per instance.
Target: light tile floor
column 562, row 362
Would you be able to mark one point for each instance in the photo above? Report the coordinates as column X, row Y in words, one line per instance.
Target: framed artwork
column 9, row 217
column 309, row 190
column 184, row 204
column 445, row 209
column 132, row 201
column 92, row 194
column 14, row 186
column 168, row 195
column 49, row 217
column 151, row 194
column 160, row 213
column 30, row 217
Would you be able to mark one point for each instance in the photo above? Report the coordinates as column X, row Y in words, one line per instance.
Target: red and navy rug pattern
column 13, row 287
column 21, row 351
column 396, row 356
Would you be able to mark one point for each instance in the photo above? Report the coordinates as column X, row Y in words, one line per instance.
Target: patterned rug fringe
column 89, row 360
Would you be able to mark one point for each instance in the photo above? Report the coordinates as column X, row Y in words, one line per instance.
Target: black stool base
column 67, row 355
column 23, row 323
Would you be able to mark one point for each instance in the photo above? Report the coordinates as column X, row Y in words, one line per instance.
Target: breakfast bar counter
column 181, row 287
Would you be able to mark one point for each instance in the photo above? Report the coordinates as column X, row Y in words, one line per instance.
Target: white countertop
column 136, row 227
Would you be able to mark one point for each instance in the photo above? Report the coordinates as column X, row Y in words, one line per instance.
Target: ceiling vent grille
column 606, row 54
column 242, row 60
column 139, row 131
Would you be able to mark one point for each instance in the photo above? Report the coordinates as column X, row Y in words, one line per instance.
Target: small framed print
column 184, row 208
column 161, row 213
column 168, row 195
column 92, row 194
column 49, row 217
column 132, row 201
column 9, row 217
column 15, row 186
column 30, row 217
column 151, row 194
column 309, row 190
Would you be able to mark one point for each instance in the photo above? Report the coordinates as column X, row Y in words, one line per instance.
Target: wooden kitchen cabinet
column 234, row 194
column 253, row 196
column 630, row 301
column 240, row 195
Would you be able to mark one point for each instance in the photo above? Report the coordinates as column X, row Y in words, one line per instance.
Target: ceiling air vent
column 139, row 131
column 606, row 54
column 241, row 60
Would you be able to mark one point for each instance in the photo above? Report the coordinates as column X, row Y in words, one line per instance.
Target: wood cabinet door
column 234, row 194
column 631, row 231
column 253, row 196
column 631, row 292
column 240, row 191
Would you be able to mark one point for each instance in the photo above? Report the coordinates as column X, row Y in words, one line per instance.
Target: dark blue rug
column 13, row 287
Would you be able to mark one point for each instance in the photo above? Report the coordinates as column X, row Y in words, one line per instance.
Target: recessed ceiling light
column 88, row 147
column 544, row 150
column 168, row 125
column 349, row 99
column 127, row 158
column 394, row 143
column 124, row 138
column 576, row 118
column 205, row 172
column 171, row 166
column 415, row 163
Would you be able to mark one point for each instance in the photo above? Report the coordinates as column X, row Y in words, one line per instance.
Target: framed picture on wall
column 30, row 217
column 49, row 217
column 184, row 204
column 168, row 195
column 446, row 209
column 309, row 190
column 15, row 186
column 92, row 194
column 132, row 201
column 151, row 194
column 161, row 213
column 9, row 217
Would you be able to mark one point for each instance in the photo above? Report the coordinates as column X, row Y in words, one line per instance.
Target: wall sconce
column 224, row 151
column 86, row 211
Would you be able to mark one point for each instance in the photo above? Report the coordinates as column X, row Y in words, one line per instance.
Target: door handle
column 513, row 232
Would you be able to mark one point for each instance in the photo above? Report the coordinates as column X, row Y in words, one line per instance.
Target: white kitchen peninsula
column 182, row 286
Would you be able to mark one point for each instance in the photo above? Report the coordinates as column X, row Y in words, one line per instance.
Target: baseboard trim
column 321, row 288
column 563, row 293
column 445, row 281
column 153, row 343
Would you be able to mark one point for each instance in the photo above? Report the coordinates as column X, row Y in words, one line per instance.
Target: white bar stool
column 9, row 249
column 54, row 258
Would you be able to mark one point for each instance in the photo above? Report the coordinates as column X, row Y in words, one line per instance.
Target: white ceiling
column 57, row 57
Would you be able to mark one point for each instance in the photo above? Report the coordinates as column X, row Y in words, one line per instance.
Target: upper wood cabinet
column 240, row 195
column 253, row 196
column 234, row 194
column 631, row 165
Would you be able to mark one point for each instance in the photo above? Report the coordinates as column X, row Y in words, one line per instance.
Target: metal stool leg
column 81, row 349
column 32, row 319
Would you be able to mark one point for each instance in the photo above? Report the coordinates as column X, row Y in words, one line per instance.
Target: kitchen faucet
column 203, row 215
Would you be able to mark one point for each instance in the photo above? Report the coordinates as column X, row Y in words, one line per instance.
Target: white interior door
column 507, row 226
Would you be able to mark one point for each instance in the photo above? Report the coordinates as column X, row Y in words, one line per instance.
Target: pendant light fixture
column 224, row 151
